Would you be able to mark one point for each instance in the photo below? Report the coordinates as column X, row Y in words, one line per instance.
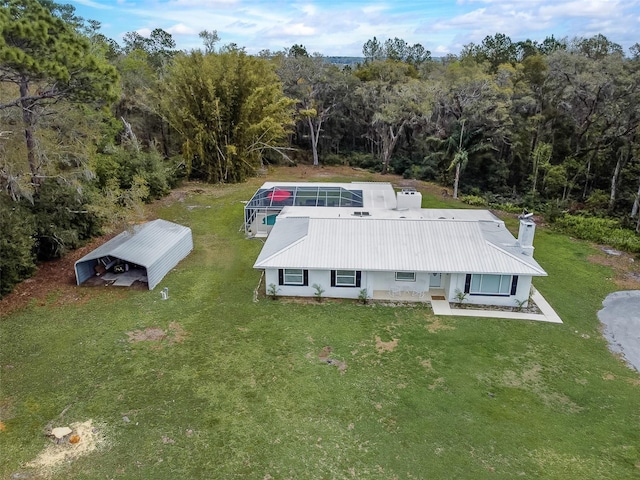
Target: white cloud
column 92, row 4
column 582, row 8
column 182, row 29
column 298, row 29
column 342, row 27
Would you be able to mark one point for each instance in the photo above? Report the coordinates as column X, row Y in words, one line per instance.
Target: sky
column 341, row 27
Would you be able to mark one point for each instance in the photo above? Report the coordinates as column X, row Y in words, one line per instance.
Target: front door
column 435, row 280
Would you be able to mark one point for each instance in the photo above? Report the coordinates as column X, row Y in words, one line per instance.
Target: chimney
column 526, row 233
column 408, row 198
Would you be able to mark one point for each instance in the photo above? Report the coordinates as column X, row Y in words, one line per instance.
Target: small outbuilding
column 145, row 253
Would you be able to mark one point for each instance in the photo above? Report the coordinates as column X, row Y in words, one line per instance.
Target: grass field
column 237, row 389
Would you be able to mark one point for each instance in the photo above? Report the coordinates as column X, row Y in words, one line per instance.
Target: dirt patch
column 382, row 347
column 435, row 325
column 87, row 438
column 626, row 269
column 324, row 357
column 149, row 334
column 531, row 380
column 175, row 334
column 426, row 364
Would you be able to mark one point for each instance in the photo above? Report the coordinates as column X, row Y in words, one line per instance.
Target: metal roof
column 400, row 244
column 413, row 213
column 143, row 245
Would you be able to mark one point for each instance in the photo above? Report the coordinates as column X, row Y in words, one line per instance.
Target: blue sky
column 340, row 27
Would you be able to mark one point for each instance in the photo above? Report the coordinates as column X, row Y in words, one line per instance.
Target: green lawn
column 244, row 394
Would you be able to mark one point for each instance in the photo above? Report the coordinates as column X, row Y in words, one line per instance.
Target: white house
column 400, row 252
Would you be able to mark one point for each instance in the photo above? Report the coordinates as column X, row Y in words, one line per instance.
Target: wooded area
column 91, row 129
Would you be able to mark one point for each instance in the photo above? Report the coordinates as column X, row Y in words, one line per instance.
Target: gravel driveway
column 621, row 319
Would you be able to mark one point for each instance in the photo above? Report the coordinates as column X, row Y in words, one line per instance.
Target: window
column 293, row 276
column 345, row 278
column 405, row 276
column 491, row 284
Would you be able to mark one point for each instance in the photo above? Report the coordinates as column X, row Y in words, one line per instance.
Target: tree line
column 91, row 129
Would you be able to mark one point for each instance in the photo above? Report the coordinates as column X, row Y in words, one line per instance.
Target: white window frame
column 400, row 274
column 504, row 285
column 346, row 278
column 293, row 272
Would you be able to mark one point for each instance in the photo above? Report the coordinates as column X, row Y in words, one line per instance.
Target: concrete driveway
column 621, row 319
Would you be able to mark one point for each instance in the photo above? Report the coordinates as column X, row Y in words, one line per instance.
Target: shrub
column 272, row 291
column 318, row 291
column 600, row 230
column 125, row 165
column 16, row 244
column 334, row 159
column 474, row 200
column 363, row 296
column 355, row 159
column 64, row 218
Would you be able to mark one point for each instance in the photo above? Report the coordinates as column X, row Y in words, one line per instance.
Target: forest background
column 90, row 129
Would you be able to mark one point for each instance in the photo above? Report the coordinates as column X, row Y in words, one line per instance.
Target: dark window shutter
column 467, row 283
column 333, row 278
column 280, row 276
column 514, row 284
column 305, row 280
column 358, row 278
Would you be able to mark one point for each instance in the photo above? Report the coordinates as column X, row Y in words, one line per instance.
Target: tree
column 228, row 109
column 159, row 46
column 594, row 100
column 47, row 61
column 391, row 104
column 317, row 87
column 16, row 243
column 495, row 50
column 373, row 50
column 209, row 39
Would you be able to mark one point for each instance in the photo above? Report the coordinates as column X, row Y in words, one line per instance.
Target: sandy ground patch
column 324, row 356
column 386, row 346
column 434, row 325
column 54, row 455
column 174, row 333
column 626, row 269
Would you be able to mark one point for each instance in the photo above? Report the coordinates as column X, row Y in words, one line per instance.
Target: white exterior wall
column 457, row 283
column 387, row 280
column 320, row 277
column 369, row 280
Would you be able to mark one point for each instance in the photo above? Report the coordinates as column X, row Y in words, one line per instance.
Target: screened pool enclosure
column 261, row 211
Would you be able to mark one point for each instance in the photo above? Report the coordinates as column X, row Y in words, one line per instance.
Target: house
column 398, row 251
column 146, row 253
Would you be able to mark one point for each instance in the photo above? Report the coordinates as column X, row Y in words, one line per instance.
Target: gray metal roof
column 384, row 244
column 143, row 245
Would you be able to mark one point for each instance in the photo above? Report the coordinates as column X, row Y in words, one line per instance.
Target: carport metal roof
column 142, row 245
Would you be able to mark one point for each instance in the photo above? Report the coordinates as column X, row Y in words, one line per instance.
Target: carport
column 146, row 253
